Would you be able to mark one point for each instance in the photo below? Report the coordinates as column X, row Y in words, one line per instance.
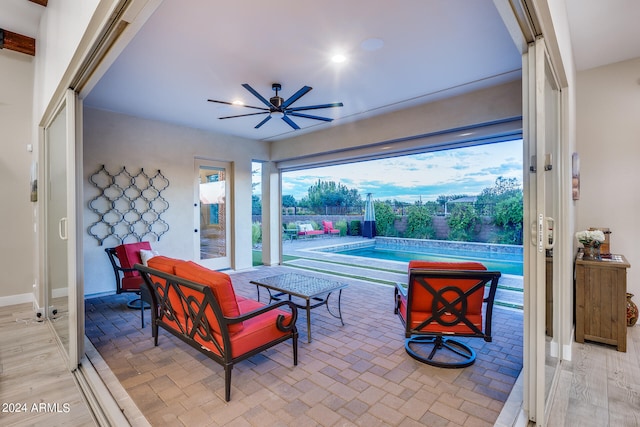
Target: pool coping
column 396, row 242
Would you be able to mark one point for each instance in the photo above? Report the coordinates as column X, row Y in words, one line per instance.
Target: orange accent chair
column 200, row 307
column 128, row 279
column 442, row 301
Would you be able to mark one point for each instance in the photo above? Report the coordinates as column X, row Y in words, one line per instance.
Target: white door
column 541, row 94
column 60, row 274
column 213, row 213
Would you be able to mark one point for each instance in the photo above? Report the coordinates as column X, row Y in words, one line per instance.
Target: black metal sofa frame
column 199, row 330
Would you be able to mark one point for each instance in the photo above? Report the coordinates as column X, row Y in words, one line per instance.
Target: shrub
column 256, row 233
column 354, row 228
column 463, row 222
column 385, row 219
column 342, row 226
column 420, row 223
column 508, row 216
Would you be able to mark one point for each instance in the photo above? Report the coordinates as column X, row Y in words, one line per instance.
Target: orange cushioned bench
column 305, row 230
column 200, row 307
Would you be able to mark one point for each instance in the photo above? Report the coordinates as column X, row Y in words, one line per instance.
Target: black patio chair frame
column 446, row 300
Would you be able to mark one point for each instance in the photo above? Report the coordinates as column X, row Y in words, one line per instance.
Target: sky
column 420, row 176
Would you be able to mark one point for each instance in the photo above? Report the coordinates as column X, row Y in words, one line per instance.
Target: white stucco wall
column 17, row 246
column 117, row 140
column 608, row 107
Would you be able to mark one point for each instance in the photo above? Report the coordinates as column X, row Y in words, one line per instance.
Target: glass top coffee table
column 314, row 291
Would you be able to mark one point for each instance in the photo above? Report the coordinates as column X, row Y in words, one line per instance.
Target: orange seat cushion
column 164, row 263
column 129, row 255
column 221, row 286
column 258, row 330
column 422, row 299
column 439, row 265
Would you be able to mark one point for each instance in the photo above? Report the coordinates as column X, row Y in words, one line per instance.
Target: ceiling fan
column 279, row 108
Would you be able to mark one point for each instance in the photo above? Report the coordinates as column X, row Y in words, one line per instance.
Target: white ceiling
column 20, row 16
column 186, row 55
column 432, row 49
column 603, row 31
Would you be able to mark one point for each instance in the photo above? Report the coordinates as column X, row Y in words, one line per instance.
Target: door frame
column 223, row 262
column 73, row 150
column 539, row 143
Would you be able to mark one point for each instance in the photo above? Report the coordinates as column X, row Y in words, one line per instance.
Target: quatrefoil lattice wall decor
column 129, row 206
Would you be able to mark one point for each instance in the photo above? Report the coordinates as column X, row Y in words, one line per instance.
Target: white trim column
column 271, row 216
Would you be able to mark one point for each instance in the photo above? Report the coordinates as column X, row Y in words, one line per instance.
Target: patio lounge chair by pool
column 327, row 226
column 305, row 229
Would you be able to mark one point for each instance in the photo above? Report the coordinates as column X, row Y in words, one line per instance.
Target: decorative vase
column 591, row 252
column 632, row 311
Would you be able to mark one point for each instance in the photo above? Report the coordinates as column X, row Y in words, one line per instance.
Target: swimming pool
column 503, row 258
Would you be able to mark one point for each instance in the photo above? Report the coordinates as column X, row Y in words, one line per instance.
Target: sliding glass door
column 541, row 213
column 60, row 274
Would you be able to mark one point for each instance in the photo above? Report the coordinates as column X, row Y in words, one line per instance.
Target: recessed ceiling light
column 372, row 44
column 237, row 102
column 338, row 58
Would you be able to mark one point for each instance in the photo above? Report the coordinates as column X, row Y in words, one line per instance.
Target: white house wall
column 17, row 246
column 608, row 106
column 117, row 140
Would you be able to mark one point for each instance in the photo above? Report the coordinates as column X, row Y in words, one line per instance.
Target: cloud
column 423, row 176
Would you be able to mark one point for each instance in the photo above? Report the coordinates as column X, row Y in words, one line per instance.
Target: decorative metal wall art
column 129, row 206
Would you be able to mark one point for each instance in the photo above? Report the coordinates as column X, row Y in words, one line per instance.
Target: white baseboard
column 17, row 299
column 59, row 292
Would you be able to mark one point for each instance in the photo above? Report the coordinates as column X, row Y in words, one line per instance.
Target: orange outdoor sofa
column 200, row 307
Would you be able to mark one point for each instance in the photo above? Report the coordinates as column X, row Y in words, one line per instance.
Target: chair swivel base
column 136, row 304
column 458, row 355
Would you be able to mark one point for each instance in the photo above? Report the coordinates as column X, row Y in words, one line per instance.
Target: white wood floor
column 36, row 388
column 599, row 388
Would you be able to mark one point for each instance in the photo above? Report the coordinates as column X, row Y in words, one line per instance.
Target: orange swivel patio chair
column 443, row 301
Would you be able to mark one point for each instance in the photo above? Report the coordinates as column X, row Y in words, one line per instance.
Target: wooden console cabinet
column 601, row 313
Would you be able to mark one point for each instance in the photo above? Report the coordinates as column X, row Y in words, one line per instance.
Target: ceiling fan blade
column 290, row 122
column 242, row 115
column 266, row 119
column 316, row 107
column 293, row 98
column 237, row 105
column 257, row 95
column 307, row 116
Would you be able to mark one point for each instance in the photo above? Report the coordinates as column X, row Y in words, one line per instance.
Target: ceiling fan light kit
column 279, row 108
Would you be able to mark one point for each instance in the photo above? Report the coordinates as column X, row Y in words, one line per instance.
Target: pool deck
column 510, row 292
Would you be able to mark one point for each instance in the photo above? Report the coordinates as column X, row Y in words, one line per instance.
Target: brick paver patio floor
column 357, row 374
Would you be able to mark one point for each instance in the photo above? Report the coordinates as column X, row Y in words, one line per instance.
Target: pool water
column 505, row 263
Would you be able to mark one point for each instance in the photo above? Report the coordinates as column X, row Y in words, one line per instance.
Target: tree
column 329, row 193
column 256, row 205
column 502, row 189
column 288, row 201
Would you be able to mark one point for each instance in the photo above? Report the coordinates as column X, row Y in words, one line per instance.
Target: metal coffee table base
column 313, row 290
